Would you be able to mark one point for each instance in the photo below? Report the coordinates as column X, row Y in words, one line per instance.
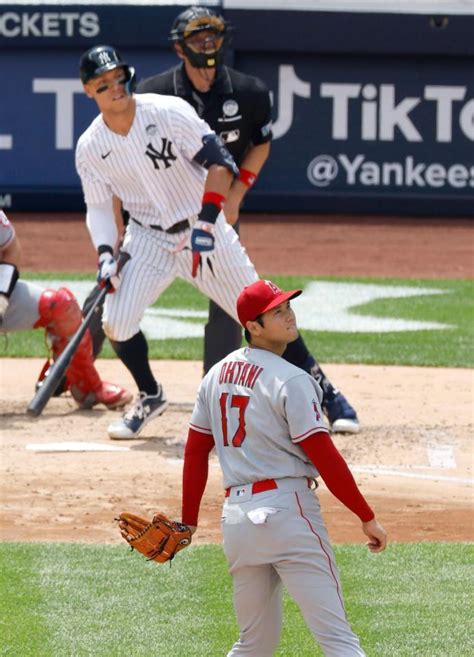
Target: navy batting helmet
column 99, row 60
column 195, row 20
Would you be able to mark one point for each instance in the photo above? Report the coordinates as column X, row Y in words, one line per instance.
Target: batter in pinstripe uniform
column 263, row 416
column 172, row 174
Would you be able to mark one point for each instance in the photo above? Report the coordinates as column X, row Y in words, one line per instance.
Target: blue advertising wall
column 366, row 122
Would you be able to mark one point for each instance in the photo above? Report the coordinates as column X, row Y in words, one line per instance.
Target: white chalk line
column 75, row 446
column 376, row 470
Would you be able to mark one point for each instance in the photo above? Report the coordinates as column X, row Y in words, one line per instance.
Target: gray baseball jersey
column 258, row 407
column 7, row 232
column 260, row 403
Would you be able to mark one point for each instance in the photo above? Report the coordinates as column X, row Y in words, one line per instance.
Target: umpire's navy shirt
column 237, row 107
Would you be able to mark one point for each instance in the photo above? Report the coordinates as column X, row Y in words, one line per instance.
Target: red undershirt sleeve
column 195, row 472
column 332, row 467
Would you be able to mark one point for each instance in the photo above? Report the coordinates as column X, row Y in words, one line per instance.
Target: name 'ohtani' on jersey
column 239, row 373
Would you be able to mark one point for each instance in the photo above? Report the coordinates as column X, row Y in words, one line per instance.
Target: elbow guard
column 215, row 152
column 8, row 278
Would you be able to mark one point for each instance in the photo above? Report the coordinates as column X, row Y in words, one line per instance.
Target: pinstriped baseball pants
column 154, row 265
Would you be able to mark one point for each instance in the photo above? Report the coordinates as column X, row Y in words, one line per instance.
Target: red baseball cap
column 260, row 297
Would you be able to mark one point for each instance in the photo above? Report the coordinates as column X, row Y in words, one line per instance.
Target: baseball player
column 172, row 174
column 237, row 107
column 263, row 416
column 24, row 306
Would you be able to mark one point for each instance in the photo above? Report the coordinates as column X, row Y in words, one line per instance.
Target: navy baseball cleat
column 342, row 417
column 145, row 408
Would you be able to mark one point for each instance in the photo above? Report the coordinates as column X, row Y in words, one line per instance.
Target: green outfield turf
column 452, row 346
column 104, row 601
column 414, row 600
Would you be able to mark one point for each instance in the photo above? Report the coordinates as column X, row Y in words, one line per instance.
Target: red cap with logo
column 260, row 297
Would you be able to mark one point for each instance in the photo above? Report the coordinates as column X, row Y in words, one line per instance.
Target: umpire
column 237, row 107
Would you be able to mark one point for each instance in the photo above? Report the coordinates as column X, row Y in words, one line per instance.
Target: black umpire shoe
column 145, row 408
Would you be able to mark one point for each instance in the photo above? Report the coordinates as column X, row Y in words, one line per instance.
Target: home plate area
column 63, row 479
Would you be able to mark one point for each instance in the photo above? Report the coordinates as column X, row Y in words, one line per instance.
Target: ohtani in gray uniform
column 263, row 416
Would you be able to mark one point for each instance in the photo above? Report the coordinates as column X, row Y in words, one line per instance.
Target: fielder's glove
column 202, row 241
column 108, row 273
column 158, row 540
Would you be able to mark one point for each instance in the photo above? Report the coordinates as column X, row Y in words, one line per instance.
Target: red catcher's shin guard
column 61, row 316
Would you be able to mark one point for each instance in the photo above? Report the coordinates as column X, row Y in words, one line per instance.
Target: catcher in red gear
column 24, row 305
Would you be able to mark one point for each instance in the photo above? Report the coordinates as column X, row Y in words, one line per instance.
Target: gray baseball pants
column 277, row 539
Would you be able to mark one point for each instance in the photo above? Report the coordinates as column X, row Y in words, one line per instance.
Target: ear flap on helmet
column 131, row 79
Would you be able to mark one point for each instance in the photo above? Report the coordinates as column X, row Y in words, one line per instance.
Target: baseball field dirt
column 60, row 481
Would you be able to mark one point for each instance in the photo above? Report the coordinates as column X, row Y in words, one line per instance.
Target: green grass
column 79, row 600
column 452, row 347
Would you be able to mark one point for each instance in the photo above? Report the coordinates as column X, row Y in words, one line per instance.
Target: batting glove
column 202, row 241
column 108, row 272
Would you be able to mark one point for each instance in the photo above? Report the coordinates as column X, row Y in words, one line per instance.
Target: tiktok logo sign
column 383, row 113
column 384, row 135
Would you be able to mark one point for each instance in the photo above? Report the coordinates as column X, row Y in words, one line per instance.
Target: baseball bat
column 58, row 368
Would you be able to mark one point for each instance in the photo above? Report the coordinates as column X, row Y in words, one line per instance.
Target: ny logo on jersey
column 165, row 156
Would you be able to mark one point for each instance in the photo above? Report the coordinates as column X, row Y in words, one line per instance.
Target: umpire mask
column 202, row 35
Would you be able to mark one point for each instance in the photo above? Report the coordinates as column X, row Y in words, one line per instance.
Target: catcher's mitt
column 158, row 540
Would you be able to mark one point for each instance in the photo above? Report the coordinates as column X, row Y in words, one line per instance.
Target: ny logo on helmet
column 164, row 156
column 104, row 58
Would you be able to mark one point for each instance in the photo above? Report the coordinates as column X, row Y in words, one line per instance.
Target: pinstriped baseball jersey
column 150, row 169
column 258, row 407
column 7, row 232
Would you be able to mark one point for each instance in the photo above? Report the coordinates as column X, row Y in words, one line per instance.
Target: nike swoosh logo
column 106, row 155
